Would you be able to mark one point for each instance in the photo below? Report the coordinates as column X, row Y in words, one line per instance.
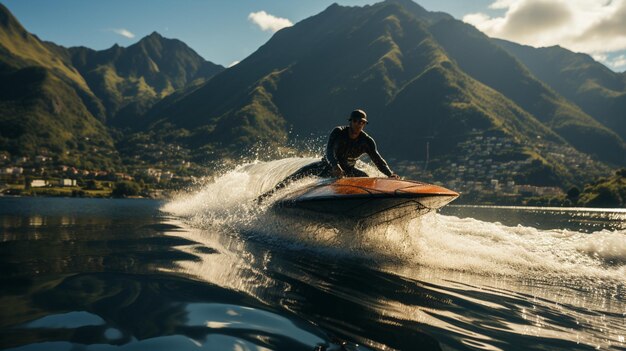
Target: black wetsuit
column 342, row 151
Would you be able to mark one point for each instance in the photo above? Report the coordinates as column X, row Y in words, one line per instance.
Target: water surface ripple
column 211, row 270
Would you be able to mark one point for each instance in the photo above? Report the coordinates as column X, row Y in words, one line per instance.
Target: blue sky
column 226, row 31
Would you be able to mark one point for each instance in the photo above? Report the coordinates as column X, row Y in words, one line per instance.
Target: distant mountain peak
column 154, row 36
column 154, row 40
column 115, row 49
column 8, row 21
column 406, row 3
column 5, row 15
column 418, row 11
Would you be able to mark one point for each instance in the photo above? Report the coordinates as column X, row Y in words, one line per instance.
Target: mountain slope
column 44, row 102
column 130, row 80
column 595, row 88
column 486, row 61
column 382, row 58
column 23, row 49
column 420, row 76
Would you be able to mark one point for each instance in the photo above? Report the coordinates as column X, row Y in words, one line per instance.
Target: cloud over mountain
column 592, row 27
column 268, row 22
column 124, row 32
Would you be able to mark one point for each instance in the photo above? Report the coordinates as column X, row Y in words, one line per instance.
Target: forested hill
column 596, row 89
column 440, row 95
column 423, row 77
column 66, row 103
column 130, row 80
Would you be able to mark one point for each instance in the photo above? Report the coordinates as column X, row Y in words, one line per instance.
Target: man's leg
column 355, row 172
column 314, row 169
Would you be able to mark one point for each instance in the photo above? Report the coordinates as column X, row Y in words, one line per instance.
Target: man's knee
column 354, row 172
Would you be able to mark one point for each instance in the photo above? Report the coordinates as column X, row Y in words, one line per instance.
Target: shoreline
column 84, row 194
column 167, row 194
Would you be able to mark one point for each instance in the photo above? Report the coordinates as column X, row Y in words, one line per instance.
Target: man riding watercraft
column 346, row 144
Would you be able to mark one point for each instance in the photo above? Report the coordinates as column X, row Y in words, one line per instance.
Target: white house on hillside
column 38, row 183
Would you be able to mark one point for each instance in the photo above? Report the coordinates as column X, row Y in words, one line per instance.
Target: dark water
column 206, row 272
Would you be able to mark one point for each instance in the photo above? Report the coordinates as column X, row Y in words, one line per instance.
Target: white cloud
column 233, row 64
column 619, row 62
column 489, row 25
column 501, row 4
column 266, row 22
column 591, row 26
column 615, row 61
column 600, row 57
column 124, row 32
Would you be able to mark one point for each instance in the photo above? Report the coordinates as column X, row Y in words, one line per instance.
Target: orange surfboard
column 368, row 198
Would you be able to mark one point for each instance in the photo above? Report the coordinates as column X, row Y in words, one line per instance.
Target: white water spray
column 435, row 241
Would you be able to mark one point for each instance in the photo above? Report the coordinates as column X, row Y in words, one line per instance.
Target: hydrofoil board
column 367, row 198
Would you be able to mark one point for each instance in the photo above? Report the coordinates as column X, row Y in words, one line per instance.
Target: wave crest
column 436, row 241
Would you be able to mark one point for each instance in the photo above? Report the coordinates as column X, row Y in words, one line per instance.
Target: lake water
column 211, row 271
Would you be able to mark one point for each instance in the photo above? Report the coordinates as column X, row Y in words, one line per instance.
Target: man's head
column 358, row 116
column 358, row 120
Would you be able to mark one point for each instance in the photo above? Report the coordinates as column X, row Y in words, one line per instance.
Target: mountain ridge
column 45, row 104
column 130, row 80
column 49, row 107
column 379, row 54
column 591, row 85
column 417, row 74
column 468, row 46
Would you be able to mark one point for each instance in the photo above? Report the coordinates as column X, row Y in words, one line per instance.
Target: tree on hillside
column 573, row 193
column 125, row 188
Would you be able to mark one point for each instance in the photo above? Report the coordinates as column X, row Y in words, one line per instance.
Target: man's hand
column 338, row 172
column 394, row 176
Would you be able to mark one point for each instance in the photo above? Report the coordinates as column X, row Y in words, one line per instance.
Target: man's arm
column 380, row 163
column 331, row 156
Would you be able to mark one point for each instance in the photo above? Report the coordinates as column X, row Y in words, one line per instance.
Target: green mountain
column 444, row 100
column 596, row 89
column 604, row 192
column 46, row 107
column 66, row 103
column 386, row 59
column 130, row 80
column 486, row 61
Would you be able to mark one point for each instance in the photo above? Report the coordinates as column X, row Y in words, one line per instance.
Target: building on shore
column 38, row 183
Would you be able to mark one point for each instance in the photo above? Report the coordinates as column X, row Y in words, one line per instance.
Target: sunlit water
column 213, row 270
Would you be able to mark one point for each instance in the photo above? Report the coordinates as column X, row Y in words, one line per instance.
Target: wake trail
column 435, row 241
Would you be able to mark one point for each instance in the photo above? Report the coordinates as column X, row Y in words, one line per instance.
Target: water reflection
column 36, row 221
column 235, row 317
column 577, row 219
column 148, row 281
column 66, row 321
column 100, row 282
column 136, row 310
column 402, row 305
column 68, row 221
